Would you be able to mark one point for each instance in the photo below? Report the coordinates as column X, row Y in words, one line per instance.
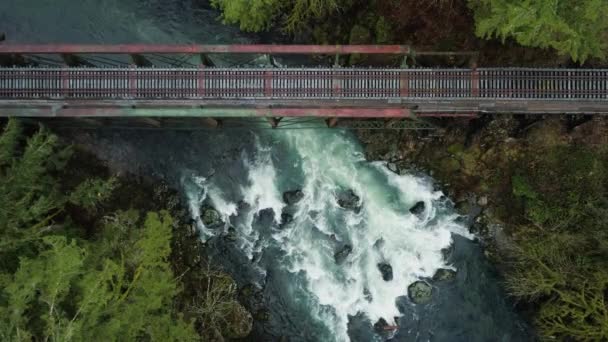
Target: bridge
column 161, row 85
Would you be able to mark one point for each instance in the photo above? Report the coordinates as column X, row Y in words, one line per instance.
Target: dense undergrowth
column 89, row 257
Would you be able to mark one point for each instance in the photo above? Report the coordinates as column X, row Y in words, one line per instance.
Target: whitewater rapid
column 327, row 163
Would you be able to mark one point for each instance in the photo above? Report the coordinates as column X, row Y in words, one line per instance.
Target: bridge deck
column 422, row 90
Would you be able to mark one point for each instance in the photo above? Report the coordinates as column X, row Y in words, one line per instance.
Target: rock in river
column 420, row 292
column 444, row 274
column 342, row 253
column 387, row 271
column 349, row 200
column 211, row 218
column 418, row 208
column 292, row 197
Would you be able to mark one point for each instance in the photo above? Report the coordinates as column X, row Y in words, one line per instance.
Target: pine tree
column 574, row 28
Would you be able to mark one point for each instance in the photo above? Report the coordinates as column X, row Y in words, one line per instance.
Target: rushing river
column 316, row 260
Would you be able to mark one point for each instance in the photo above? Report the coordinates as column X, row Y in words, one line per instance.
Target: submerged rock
column 349, row 200
column 211, row 218
column 387, row 271
column 444, row 274
column 286, row 219
column 418, row 208
column 343, row 253
column 420, row 292
column 367, row 295
column 292, row 197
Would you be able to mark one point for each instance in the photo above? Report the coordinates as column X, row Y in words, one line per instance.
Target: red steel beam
column 199, row 48
column 336, row 112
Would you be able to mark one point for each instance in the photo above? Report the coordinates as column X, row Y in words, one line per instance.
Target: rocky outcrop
column 292, row 197
column 420, row 292
column 386, row 270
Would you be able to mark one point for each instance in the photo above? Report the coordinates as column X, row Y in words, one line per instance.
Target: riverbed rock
column 349, row 200
column 420, row 292
column 211, row 218
column 292, row 197
column 230, row 235
column 444, row 274
column 418, row 208
column 386, row 270
column 342, row 253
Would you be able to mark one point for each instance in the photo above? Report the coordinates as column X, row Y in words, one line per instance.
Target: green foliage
column 560, row 261
column 31, row 197
column 108, row 299
column 55, row 287
column 260, row 15
column 90, row 193
column 574, row 28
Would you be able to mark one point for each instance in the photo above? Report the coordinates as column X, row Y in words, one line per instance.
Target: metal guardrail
column 304, row 83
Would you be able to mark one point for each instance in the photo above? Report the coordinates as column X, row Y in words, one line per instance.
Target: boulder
column 341, row 254
column 444, row 274
column 211, row 218
column 386, row 270
column 418, row 208
column 292, row 197
column 482, row 201
column 349, row 200
column 420, row 292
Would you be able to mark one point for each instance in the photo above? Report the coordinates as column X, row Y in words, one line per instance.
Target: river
column 315, row 261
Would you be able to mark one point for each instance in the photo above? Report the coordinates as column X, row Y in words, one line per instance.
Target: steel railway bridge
column 192, row 85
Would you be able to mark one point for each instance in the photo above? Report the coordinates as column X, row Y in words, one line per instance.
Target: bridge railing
column 301, row 83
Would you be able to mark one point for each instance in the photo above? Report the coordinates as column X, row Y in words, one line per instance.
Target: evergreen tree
column 574, row 28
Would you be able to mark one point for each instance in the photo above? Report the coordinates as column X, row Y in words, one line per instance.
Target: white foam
column 410, row 245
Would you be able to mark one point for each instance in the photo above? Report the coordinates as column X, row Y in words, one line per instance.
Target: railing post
column 404, row 84
column 268, row 83
column 132, row 81
column 65, row 81
column 201, row 80
column 475, row 82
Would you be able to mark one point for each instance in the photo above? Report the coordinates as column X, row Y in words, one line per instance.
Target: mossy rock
column 420, row 292
column 211, row 218
column 444, row 274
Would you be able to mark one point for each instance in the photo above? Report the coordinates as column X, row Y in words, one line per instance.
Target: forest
column 84, row 255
